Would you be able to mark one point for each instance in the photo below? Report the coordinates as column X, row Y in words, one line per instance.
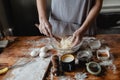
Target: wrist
column 42, row 19
column 80, row 32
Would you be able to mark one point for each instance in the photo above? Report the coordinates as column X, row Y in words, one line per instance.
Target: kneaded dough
column 66, row 43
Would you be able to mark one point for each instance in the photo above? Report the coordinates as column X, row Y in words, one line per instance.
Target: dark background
column 22, row 15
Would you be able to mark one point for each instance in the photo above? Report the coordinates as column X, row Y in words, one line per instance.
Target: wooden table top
column 15, row 50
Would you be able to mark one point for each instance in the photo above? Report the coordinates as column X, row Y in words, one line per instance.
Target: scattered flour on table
column 39, row 41
column 34, row 50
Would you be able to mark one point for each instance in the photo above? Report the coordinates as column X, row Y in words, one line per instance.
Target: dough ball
column 43, row 52
column 44, row 49
column 42, row 55
column 35, row 53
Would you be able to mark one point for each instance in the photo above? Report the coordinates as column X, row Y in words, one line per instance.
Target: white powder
column 35, row 50
column 32, row 71
column 106, row 63
column 80, row 76
column 39, row 41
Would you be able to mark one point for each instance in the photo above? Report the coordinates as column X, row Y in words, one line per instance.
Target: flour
column 38, row 47
column 33, row 71
column 39, row 41
column 106, row 63
column 80, row 76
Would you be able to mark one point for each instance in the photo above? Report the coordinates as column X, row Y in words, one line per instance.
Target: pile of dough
column 66, row 43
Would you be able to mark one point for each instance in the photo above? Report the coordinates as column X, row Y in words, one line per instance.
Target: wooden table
column 14, row 51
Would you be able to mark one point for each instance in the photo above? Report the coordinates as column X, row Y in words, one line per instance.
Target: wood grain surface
column 17, row 50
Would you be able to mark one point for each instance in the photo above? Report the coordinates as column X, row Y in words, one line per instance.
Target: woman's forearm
column 41, row 6
column 91, row 16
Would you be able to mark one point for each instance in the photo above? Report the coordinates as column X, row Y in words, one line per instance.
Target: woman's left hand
column 77, row 37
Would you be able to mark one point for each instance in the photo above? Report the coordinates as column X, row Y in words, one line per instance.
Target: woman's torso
column 68, row 15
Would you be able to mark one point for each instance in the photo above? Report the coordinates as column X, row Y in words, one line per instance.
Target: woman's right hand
column 45, row 27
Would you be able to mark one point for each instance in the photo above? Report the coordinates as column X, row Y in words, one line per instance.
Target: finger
column 76, row 41
column 40, row 29
column 46, row 32
column 73, row 38
column 70, row 38
column 50, row 33
column 37, row 25
column 49, row 30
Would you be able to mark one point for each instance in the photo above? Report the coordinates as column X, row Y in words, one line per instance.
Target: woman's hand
column 78, row 34
column 76, row 38
column 45, row 28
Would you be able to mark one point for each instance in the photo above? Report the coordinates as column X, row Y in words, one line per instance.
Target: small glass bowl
column 55, row 44
column 103, row 54
column 84, row 55
column 94, row 44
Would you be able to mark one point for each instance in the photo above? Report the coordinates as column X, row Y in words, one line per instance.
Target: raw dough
column 66, row 43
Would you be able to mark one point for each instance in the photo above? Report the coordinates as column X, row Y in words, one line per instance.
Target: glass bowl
column 56, row 45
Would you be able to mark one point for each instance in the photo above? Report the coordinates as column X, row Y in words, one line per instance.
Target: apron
column 68, row 15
